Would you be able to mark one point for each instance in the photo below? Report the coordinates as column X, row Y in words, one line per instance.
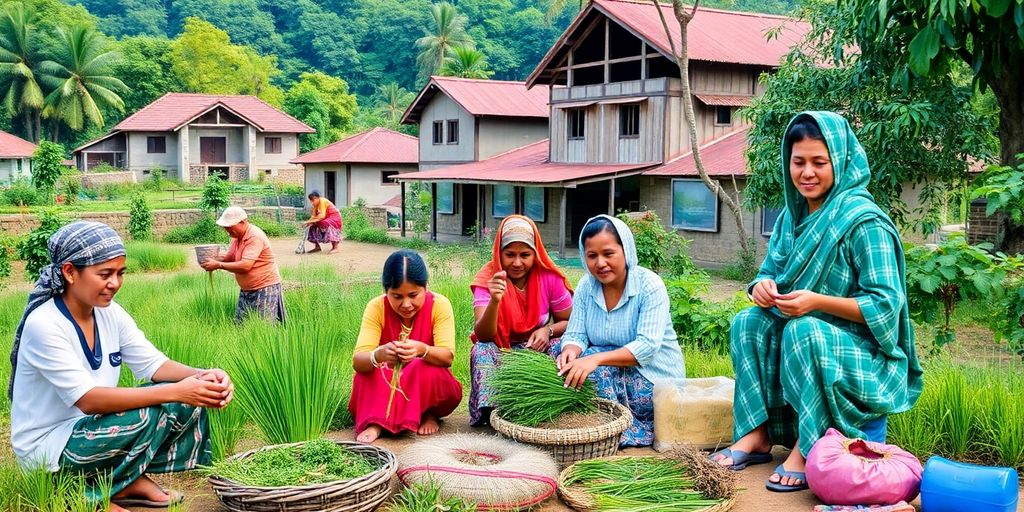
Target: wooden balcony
column 650, row 86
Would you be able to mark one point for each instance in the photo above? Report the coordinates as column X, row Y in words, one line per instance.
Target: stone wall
column 92, row 180
column 378, row 216
column 163, row 220
column 993, row 229
column 291, row 176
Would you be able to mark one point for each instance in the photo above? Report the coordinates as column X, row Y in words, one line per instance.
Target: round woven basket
column 361, row 494
column 578, row 499
column 205, row 252
column 572, row 444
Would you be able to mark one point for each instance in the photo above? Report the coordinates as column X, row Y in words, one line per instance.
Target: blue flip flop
column 742, row 459
column 782, row 472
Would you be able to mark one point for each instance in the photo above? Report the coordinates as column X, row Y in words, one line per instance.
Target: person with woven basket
column 403, row 356
column 620, row 334
column 68, row 413
column 521, row 300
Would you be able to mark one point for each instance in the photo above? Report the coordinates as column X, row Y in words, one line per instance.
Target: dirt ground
column 352, row 258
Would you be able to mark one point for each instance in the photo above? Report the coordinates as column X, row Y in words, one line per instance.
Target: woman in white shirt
column 67, row 413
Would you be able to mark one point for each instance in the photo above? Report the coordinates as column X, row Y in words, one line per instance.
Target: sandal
column 174, row 498
column 780, row 487
column 741, row 459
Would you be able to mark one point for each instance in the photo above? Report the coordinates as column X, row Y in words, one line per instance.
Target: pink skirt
column 430, row 389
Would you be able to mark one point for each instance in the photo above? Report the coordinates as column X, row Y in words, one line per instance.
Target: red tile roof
column 483, row 98
column 12, row 146
column 722, row 157
column 523, row 165
column 724, row 100
column 714, row 35
column 172, row 110
column 379, row 145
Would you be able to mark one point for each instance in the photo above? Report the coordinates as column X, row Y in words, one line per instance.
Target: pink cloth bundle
column 842, row 471
column 899, row 507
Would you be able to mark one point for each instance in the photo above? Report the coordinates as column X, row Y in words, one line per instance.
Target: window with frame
column 694, row 207
column 385, row 177
column 438, row 132
column 446, row 198
column 272, row 145
column 535, row 204
column 156, row 144
column 629, row 120
column 503, row 201
column 769, row 216
column 453, row 131
column 723, row 115
column 576, row 120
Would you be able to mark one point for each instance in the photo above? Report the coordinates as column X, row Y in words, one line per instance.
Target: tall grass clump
column 427, row 497
column 153, row 257
column 287, row 379
column 204, row 231
column 547, row 399
column 40, row 490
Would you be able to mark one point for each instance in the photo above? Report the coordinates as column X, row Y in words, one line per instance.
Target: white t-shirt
column 54, row 373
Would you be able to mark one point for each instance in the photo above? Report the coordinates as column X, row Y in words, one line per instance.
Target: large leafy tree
column 81, row 79
column 392, row 100
column 243, row 20
column 448, row 31
column 147, row 66
column 19, row 57
column 465, row 62
column 129, row 17
column 323, row 102
column 923, row 132
column 385, row 32
column 929, row 37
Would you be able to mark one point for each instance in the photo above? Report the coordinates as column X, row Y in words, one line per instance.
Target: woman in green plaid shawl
column 829, row 343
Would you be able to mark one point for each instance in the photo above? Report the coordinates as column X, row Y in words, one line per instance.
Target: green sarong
column 804, row 375
column 160, row 439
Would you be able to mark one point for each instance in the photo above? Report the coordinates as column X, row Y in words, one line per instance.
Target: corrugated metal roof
column 496, row 98
column 724, row 100
column 379, row 145
column 12, row 146
column 172, row 110
column 723, row 156
column 524, row 165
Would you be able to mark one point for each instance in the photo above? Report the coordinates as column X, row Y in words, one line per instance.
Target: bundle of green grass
column 315, row 462
column 427, row 497
column 528, row 390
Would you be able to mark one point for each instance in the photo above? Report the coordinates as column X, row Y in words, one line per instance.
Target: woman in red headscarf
column 521, row 300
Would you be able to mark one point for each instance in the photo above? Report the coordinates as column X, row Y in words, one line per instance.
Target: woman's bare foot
column 370, row 434
column 428, row 425
column 754, row 442
column 316, row 248
column 142, row 488
column 115, row 508
column 795, row 462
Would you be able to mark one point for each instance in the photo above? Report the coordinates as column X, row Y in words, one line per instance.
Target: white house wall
column 9, row 169
column 315, row 180
column 139, row 160
column 498, row 135
column 366, row 182
column 443, row 108
column 289, row 150
column 234, row 145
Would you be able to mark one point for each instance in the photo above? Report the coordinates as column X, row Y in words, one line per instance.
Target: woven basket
column 361, row 494
column 578, row 499
column 572, row 444
column 206, row 252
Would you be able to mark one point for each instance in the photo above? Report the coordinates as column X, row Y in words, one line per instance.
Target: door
column 213, row 150
column 330, row 185
column 467, row 194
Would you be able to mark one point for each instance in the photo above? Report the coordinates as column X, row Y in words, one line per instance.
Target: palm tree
column 466, row 63
column 449, row 32
column 557, row 6
column 82, row 80
column 18, row 74
column 393, row 100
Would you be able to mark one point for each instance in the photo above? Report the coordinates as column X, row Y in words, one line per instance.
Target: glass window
column 535, row 205
column 577, row 121
column 694, row 207
column 453, row 131
column 723, row 115
column 446, row 198
column 385, row 177
column 156, row 144
column 272, row 145
column 769, row 216
column 503, row 203
column 629, row 120
column 438, row 132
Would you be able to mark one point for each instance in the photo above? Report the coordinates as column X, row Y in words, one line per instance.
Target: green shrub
column 22, row 193
column 8, row 250
column 274, row 229
column 1008, row 317
column 704, row 325
column 140, row 221
column 115, row 191
column 33, row 247
column 153, row 257
column 103, row 168
column 156, row 181
column 47, row 166
column 354, row 219
column 657, row 248
column 216, row 194
column 204, row 231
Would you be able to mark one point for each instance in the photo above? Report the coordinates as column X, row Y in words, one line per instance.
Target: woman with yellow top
column 324, row 224
column 413, row 327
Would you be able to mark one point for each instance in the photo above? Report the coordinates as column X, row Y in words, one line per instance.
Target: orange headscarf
column 515, row 317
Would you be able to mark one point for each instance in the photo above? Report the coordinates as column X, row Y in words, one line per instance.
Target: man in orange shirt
column 252, row 261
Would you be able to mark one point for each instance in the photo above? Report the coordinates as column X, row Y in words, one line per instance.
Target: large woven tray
column 572, row 444
column 578, row 499
column 361, row 494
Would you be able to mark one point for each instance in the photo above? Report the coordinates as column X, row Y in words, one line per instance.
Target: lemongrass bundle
column 396, row 381
column 528, row 390
column 635, row 484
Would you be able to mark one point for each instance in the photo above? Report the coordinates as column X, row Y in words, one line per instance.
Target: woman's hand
column 410, row 349
column 797, row 303
column 199, row 392
column 764, row 293
column 497, row 286
column 387, row 353
column 218, row 376
column 577, row 370
column 569, row 354
column 539, row 339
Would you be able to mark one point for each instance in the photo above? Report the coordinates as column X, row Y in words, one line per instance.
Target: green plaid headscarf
column 803, row 247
